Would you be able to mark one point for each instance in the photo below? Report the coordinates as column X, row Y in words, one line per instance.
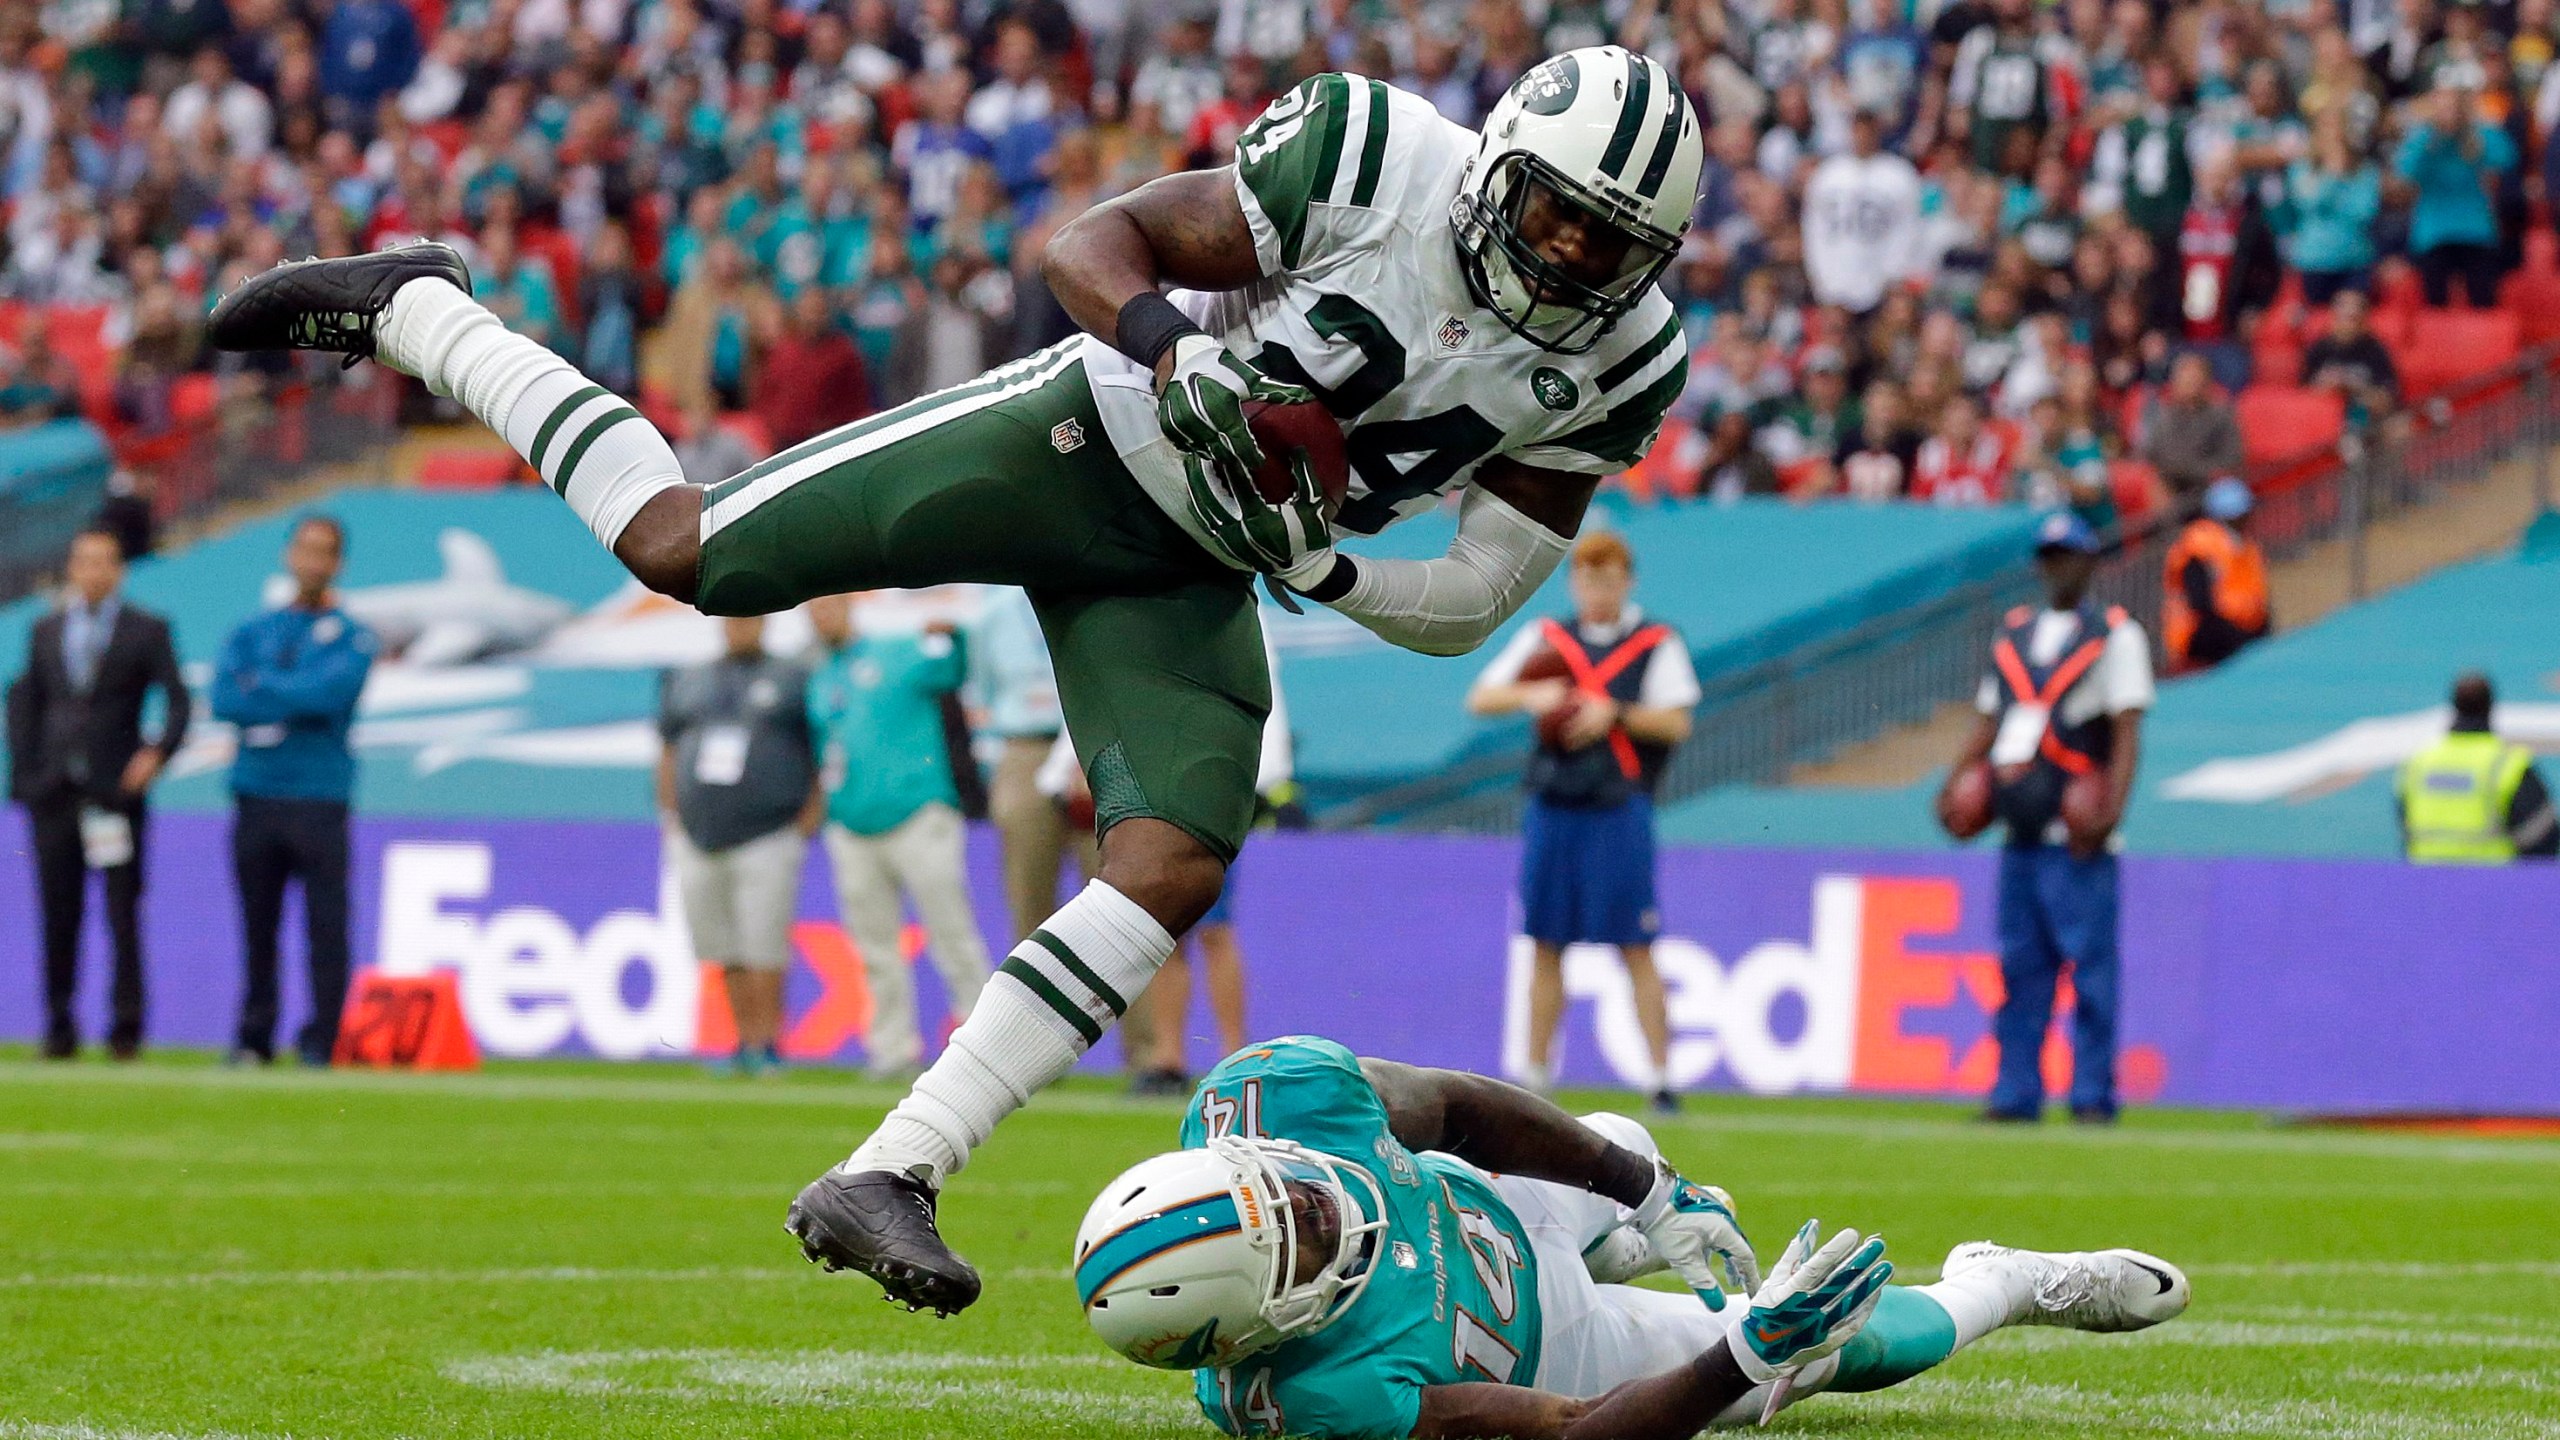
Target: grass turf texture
column 565, row 1251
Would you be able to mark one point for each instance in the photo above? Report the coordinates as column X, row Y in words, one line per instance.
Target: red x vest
column 1608, row 773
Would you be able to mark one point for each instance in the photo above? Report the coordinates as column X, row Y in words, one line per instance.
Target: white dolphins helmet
column 1604, row 132
column 1187, row 1260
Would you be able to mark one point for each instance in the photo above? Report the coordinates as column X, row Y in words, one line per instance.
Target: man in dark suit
column 78, row 762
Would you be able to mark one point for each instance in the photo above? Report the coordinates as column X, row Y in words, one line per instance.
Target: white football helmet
column 1601, row 131
column 1188, row 1259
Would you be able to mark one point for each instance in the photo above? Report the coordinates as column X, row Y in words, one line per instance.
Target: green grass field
column 565, row 1251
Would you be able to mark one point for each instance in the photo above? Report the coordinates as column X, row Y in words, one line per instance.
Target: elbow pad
column 1449, row 606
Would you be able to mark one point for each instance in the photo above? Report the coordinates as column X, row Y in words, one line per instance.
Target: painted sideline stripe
column 548, row 1274
column 1957, row 1404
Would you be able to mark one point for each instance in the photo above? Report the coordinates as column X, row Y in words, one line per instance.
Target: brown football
column 1280, row 429
column 1964, row 806
column 1545, row 664
column 2084, row 808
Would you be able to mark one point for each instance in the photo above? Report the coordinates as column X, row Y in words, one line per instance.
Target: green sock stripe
column 594, row 431
column 1909, row 1333
column 1083, row 972
column 1038, row 984
column 560, row 414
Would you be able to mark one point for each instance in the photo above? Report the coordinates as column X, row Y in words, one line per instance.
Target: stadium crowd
column 1957, row 253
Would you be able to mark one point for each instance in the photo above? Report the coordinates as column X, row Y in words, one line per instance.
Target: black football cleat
column 880, row 1222
column 327, row 304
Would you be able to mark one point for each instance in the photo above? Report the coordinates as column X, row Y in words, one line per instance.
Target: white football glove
column 1815, row 1301
column 1692, row 1229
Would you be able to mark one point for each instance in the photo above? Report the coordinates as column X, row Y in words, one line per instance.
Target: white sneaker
column 1536, row 1079
column 2102, row 1291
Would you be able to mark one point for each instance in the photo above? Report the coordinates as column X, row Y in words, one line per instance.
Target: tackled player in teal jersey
column 1354, row 1248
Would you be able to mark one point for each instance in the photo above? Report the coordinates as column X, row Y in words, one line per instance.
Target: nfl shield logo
column 1453, row 333
column 1066, row 436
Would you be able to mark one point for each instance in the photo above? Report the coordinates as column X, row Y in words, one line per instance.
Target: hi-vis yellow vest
column 2454, row 796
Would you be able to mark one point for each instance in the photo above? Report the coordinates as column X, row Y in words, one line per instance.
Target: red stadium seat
column 2396, row 288
column 2541, row 251
column 473, row 467
column 193, row 398
column 2276, row 361
column 2137, row 489
column 2278, row 422
column 2534, row 299
column 2447, row 347
column 750, row 427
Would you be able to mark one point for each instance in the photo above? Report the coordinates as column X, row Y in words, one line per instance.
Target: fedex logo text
column 1877, row 998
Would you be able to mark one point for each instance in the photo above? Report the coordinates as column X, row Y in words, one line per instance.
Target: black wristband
column 1336, row 583
column 1149, row 325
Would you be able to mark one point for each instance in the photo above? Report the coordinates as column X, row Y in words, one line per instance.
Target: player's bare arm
column 1505, row 1129
column 1673, row 1405
column 1186, row 228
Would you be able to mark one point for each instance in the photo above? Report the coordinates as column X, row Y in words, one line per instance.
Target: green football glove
column 1815, row 1301
column 1692, row 1229
column 1201, row 408
column 1290, row 541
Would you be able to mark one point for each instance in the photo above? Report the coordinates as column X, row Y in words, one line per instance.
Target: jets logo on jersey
column 1549, row 89
column 1554, row 388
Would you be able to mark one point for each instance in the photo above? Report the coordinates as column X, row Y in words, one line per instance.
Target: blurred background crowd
column 1965, row 253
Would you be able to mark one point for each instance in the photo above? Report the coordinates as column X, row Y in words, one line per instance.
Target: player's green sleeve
column 1323, row 143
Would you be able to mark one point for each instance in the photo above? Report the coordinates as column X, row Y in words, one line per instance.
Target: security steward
column 2214, row 599
column 289, row 679
column 1611, row 692
column 2063, row 702
column 2472, row 798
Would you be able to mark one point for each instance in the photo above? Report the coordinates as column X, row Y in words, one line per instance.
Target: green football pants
column 1011, row 480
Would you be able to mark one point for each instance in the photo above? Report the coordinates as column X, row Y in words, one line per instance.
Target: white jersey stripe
column 1019, row 378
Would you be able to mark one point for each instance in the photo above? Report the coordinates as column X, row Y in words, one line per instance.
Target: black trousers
column 2477, row 265
column 272, row 842
column 62, row 895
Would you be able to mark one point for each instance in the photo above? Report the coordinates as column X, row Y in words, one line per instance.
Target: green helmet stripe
column 1142, row 1240
column 1660, row 164
column 1630, row 119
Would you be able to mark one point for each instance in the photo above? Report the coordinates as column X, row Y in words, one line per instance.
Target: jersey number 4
column 1447, row 442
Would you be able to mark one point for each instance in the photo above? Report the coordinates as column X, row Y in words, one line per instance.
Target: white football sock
column 588, row 443
column 1048, row 1003
column 1983, row 1299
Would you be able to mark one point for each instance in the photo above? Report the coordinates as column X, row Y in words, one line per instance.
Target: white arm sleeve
column 1449, row 605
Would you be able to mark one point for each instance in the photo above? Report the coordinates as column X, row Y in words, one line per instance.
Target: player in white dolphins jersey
column 1479, row 313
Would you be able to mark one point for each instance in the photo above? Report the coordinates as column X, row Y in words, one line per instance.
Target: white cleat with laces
column 2102, row 1291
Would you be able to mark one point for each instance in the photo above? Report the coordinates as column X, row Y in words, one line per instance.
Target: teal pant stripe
column 1909, row 1333
column 1082, row 972
column 594, row 431
column 560, row 414
column 1038, row 984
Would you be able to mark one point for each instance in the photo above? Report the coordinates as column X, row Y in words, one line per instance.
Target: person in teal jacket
column 2451, row 157
column 893, row 817
column 2335, row 198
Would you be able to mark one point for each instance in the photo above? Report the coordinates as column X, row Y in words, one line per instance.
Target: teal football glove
column 1692, row 1229
column 1815, row 1301
column 1201, row 408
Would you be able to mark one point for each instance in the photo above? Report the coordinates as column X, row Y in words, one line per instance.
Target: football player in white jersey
column 1477, row 311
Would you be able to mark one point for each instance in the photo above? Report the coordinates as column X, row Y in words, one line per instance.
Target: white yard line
column 2239, row 1334
column 835, row 1380
column 856, row 1095
column 1954, row 1403
column 29, row 1430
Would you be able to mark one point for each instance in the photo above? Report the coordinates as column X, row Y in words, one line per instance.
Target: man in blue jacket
column 289, row 679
